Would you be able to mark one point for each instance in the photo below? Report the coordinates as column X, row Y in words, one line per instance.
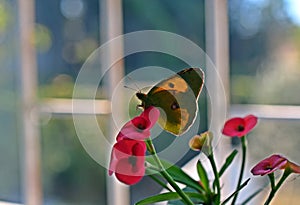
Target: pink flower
column 128, row 161
column 139, row 127
column 239, row 127
column 269, row 165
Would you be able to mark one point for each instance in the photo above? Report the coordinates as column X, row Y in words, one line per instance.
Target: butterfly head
column 143, row 97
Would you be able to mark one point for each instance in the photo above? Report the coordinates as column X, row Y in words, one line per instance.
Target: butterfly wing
column 194, row 78
column 177, row 113
column 190, row 78
column 177, row 98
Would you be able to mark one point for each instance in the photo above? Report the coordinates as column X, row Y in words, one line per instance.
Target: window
column 264, row 76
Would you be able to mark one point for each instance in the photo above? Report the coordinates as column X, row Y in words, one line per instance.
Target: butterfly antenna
column 137, row 87
column 125, row 86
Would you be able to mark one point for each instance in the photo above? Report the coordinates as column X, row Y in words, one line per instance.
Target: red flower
column 239, row 127
column 151, row 114
column 139, row 127
column 128, row 161
column 128, row 154
column 269, row 165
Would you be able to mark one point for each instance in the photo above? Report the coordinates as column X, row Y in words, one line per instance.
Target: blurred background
column 263, row 76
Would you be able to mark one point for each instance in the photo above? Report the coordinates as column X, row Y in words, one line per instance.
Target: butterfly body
column 176, row 97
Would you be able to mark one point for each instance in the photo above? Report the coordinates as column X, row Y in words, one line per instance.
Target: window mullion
column 31, row 137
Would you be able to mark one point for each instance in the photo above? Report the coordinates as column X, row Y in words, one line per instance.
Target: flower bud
column 202, row 142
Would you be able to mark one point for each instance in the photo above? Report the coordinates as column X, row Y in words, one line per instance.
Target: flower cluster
column 240, row 127
column 128, row 154
column 133, row 140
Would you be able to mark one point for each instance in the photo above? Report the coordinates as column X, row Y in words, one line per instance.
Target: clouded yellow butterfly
column 176, row 97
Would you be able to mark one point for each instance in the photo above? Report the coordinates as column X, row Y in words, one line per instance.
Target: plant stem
column 244, row 149
column 217, row 178
column 166, row 175
column 272, row 180
column 275, row 189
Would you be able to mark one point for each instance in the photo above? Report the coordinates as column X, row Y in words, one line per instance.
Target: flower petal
column 250, row 122
column 120, row 136
column 141, row 123
column 239, row 127
column 152, row 114
column 202, row 142
column 130, row 169
column 231, row 127
column 127, row 160
column 129, row 134
column 129, row 130
column 269, row 165
column 128, row 174
column 293, row 167
column 139, row 149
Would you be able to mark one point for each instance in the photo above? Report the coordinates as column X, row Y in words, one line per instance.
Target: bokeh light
column 42, row 38
column 72, row 8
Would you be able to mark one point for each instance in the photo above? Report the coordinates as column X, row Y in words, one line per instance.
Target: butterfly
column 176, row 97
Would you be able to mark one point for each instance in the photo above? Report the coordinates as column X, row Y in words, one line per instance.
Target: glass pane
column 67, row 32
column 70, row 175
column 264, row 51
column 282, row 137
column 10, row 173
column 179, row 17
column 275, row 136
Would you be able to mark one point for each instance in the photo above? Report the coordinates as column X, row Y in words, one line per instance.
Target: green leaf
column 228, row 161
column 195, row 201
column 203, row 176
column 236, row 191
column 168, row 197
column 177, row 174
column 177, row 202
